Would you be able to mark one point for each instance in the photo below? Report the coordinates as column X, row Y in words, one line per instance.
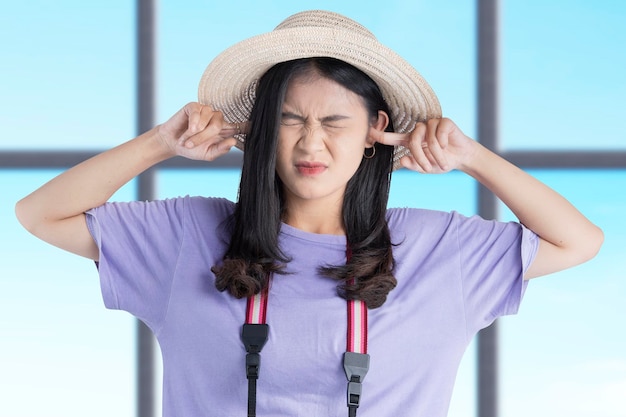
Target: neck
column 315, row 218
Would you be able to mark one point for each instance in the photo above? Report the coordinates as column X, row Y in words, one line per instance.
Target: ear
column 376, row 128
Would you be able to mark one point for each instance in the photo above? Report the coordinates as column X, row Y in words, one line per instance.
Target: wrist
column 153, row 148
column 474, row 160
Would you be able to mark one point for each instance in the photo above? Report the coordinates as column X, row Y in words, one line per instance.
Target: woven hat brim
column 229, row 82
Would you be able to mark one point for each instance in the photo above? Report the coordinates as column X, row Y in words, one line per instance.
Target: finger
column 195, row 124
column 409, row 162
column 232, row 129
column 210, row 125
column 226, row 144
column 418, row 160
column 223, row 146
column 417, row 148
column 218, row 149
column 444, row 129
column 436, row 140
column 199, row 116
column 389, row 138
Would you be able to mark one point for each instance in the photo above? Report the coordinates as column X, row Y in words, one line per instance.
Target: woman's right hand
column 197, row 132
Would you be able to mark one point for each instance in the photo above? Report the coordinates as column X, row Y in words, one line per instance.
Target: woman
column 327, row 113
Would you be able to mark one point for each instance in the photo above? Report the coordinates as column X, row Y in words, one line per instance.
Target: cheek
column 351, row 148
column 347, row 161
column 356, row 162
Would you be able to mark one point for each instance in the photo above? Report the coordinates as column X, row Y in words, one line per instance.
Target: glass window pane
column 62, row 351
column 452, row 191
column 67, row 74
column 463, row 402
column 563, row 72
column 564, row 354
column 196, row 182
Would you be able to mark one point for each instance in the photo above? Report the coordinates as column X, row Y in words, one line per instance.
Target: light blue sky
column 67, row 81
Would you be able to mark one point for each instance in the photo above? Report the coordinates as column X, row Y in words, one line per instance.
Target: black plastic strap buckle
column 254, row 337
column 356, row 366
column 253, row 364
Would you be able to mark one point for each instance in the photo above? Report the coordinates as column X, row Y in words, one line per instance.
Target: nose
column 312, row 138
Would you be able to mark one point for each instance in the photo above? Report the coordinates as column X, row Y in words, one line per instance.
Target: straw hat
column 229, row 82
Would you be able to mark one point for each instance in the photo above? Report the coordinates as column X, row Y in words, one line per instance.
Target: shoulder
column 410, row 225
column 433, row 219
column 215, row 206
column 169, row 209
column 410, row 218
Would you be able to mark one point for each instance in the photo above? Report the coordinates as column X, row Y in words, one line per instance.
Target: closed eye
column 333, row 125
column 291, row 119
column 335, row 121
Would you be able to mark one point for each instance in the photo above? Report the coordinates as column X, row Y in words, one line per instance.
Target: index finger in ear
column 232, row 129
column 390, row 138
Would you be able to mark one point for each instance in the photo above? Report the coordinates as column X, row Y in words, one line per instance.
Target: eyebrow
column 326, row 119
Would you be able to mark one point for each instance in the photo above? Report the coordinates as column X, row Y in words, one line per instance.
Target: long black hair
column 253, row 253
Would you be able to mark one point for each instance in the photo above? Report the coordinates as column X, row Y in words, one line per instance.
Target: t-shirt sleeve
column 493, row 258
column 139, row 244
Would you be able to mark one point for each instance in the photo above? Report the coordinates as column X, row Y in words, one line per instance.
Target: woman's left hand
column 436, row 146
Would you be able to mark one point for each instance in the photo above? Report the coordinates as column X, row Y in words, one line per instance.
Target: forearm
column 572, row 237
column 90, row 183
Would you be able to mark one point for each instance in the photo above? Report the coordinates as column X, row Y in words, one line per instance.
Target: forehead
column 314, row 89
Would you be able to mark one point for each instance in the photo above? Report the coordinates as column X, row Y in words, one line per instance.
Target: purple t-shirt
column 455, row 276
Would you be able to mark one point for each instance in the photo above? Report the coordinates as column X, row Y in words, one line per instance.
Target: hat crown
column 324, row 19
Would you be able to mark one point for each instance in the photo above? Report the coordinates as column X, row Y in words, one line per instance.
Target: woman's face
column 323, row 133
